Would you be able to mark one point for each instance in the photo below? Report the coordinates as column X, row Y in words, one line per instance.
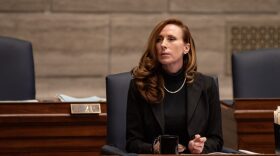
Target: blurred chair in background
column 17, row 80
column 256, row 74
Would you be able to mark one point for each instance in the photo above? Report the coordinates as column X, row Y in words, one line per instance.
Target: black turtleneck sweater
column 175, row 106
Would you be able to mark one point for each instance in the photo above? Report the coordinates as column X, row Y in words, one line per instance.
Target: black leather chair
column 116, row 91
column 256, row 74
column 17, row 81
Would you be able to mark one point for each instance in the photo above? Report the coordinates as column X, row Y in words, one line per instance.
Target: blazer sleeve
column 134, row 123
column 214, row 141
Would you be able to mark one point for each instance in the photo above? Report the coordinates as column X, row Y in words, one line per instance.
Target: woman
column 168, row 96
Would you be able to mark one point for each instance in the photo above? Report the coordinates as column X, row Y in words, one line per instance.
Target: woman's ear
column 187, row 48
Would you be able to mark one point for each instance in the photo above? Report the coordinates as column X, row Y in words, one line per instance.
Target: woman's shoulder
column 206, row 79
column 133, row 87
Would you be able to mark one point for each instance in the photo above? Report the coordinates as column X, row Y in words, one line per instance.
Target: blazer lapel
column 193, row 95
column 159, row 115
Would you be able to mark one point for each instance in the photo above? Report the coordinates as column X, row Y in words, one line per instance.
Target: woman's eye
column 171, row 38
column 159, row 39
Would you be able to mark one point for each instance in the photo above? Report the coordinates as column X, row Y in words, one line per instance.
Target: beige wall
column 78, row 42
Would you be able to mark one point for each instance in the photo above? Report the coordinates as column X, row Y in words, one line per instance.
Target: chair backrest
column 117, row 86
column 17, row 80
column 256, row 74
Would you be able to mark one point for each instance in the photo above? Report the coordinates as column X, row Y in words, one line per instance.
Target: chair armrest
column 227, row 103
column 229, row 150
column 111, row 150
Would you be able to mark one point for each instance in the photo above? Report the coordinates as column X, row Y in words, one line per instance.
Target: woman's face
column 171, row 48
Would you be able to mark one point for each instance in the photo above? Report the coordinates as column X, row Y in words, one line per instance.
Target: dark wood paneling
column 50, row 129
column 256, row 104
column 254, row 119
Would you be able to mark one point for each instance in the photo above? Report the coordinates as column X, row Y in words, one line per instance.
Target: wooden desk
column 50, row 129
column 208, row 154
column 254, row 119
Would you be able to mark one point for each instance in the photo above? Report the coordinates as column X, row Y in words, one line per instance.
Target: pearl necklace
column 176, row 91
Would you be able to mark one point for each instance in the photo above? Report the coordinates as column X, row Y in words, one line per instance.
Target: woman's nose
column 164, row 43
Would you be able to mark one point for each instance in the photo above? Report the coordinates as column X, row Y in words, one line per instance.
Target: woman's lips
column 165, row 54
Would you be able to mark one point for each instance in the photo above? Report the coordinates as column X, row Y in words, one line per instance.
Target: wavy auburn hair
column 147, row 77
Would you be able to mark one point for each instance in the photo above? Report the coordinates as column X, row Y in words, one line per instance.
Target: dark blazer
column 145, row 121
